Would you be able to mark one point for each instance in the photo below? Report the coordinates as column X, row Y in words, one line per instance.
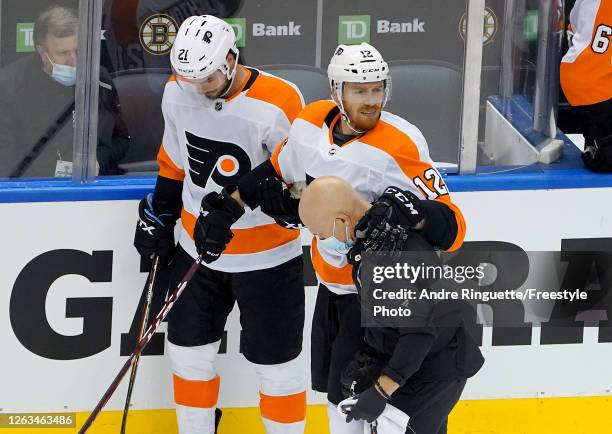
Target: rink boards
column 74, row 264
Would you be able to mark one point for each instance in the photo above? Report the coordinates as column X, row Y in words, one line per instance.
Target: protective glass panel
column 135, row 48
column 38, row 60
column 422, row 41
column 520, row 89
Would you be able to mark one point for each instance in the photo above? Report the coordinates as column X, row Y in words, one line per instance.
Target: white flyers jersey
column 394, row 152
column 211, row 144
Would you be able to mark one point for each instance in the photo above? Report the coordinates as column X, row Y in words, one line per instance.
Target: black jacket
column 438, row 348
column 37, row 122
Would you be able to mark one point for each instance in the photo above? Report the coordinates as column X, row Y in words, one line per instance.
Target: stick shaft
column 141, row 344
column 146, row 307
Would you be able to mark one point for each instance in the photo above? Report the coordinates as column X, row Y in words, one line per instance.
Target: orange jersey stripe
column 283, row 409
column 327, row 272
column 167, row 168
column 246, row 80
column 252, row 240
column 405, row 152
column 316, row 112
column 274, row 158
column 461, row 227
column 277, row 92
column 194, row 393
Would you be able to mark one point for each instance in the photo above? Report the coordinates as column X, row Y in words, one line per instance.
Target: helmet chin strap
column 343, row 113
column 231, row 76
column 348, row 123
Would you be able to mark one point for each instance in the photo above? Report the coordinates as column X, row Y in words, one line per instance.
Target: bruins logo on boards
column 490, row 26
column 157, row 34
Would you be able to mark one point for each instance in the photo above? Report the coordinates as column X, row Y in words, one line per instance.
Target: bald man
column 328, row 200
column 420, row 371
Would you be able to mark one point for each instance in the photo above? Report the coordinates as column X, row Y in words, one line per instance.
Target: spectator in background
column 586, row 79
column 37, row 106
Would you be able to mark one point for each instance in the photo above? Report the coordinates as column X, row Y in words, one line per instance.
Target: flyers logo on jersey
column 224, row 162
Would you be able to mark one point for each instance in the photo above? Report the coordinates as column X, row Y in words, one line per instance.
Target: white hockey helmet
column 360, row 63
column 201, row 47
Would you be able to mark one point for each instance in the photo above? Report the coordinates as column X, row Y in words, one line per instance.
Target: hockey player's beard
column 219, row 92
column 364, row 118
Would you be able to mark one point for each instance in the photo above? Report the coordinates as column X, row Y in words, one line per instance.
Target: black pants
column 597, row 129
column 428, row 403
column 336, row 337
column 271, row 303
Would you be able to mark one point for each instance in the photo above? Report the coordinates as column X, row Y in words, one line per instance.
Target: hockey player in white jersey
column 350, row 137
column 221, row 120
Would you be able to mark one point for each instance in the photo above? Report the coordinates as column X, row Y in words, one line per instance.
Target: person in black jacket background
column 37, row 106
column 419, row 369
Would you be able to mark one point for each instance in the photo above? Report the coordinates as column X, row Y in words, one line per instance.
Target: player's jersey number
column 439, row 188
column 601, row 40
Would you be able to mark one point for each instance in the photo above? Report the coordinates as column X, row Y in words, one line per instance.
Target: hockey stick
column 143, row 324
column 141, row 344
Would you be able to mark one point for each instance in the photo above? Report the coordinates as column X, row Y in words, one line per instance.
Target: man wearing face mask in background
column 37, row 106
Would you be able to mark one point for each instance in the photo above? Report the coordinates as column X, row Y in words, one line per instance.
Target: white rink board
column 533, row 220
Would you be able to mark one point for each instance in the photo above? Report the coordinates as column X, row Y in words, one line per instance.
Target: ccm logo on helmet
column 224, row 162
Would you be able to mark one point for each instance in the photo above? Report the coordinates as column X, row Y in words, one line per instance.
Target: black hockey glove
column 218, row 212
column 277, row 202
column 360, row 373
column 377, row 234
column 407, row 210
column 369, row 406
column 598, row 156
column 154, row 234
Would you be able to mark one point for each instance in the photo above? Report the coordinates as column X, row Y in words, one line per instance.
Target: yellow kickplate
column 589, row 415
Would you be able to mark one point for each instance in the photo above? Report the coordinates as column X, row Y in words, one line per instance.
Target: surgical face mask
column 63, row 74
column 334, row 244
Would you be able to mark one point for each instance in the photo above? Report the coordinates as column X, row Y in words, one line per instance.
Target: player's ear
column 41, row 51
column 231, row 59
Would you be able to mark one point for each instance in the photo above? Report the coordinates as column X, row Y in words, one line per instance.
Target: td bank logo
column 239, row 26
column 353, row 29
column 25, row 37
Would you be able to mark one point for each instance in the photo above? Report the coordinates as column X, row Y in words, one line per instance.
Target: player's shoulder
column 317, row 112
column 402, row 125
column 274, row 90
column 171, row 88
column 398, row 136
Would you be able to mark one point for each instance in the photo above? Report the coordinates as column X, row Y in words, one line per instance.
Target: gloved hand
column 154, row 233
column 360, row 373
column 598, row 156
column 385, row 226
column 218, row 212
column 406, row 208
column 369, row 406
column 376, row 235
column 276, row 201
